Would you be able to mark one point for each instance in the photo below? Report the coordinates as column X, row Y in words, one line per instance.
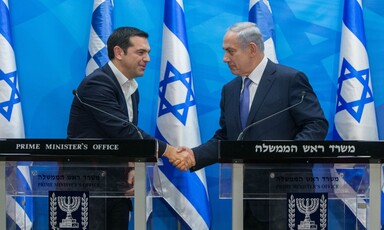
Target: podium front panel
column 61, row 188
column 302, row 189
column 276, row 188
column 100, row 181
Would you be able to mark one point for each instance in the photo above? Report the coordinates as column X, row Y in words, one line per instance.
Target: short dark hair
column 121, row 37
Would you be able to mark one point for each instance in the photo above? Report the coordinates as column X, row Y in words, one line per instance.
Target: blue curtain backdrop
column 51, row 41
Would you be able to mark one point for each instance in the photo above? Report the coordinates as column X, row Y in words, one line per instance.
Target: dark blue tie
column 244, row 102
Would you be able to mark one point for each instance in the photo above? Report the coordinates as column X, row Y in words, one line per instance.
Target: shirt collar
column 121, row 78
column 257, row 73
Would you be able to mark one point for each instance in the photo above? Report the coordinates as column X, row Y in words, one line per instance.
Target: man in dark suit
column 272, row 88
column 113, row 89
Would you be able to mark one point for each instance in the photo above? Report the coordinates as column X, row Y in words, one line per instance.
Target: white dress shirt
column 128, row 87
column 255, row 78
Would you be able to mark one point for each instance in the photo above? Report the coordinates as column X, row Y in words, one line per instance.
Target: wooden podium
column 79, row 152
column 252, row 155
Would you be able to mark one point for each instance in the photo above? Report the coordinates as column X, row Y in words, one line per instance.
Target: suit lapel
column 263, row 88
column 121, row 98
column 235, row 97
column 135, row 103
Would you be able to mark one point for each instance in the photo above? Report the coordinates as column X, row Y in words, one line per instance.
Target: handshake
column 181, row 157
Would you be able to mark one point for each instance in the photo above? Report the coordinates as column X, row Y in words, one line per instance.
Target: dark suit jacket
column 102, row 90
column 279, row 87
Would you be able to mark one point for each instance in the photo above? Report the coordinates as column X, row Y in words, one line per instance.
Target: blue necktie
column 244, row 102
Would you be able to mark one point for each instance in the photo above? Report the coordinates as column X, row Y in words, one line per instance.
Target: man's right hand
column 183, row 157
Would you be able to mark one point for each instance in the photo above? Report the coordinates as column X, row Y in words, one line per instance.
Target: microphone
column 74, row 92
column 241, row 135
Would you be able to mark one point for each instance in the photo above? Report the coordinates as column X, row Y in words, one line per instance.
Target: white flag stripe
column 201, row 174
column 181, row 135
column 357, row 56
column 97, row 43
column 7, row 56
column 25, row 172
column 91, row 65
column 269, row 50
column 149, row 206
column 97, row 3
column 180, row 2
column 172, row 45
column 252, row 3
column 353, row 130
column 22, row 220
column 11, row 129
column 360, row 2
column 185, row 208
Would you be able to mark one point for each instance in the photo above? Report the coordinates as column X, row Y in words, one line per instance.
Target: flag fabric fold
column 355, row 117
column 101, row 28
column 19, row 208
column 177, row 123
column 260, row 13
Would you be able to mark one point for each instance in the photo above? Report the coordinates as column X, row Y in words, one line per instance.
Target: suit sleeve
column 101, row 92
column 309, row 115
column 208, row 153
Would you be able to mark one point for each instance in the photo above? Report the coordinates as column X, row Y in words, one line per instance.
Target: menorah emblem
column 310, row 206
column 69, row 204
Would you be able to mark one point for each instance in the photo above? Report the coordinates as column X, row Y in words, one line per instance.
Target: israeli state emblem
column 68, row 210
column 307, row 211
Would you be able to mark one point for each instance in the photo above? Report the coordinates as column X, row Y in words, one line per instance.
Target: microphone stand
column 109, row 114
column 241, row 135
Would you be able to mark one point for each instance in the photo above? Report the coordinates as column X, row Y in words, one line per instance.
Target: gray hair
column 248, row 32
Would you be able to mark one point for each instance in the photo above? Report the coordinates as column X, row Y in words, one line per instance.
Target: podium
column 86, row 166
column 296, row 180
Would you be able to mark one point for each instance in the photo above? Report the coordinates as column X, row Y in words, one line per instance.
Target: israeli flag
column 355, row 117
column 260, row 13
column 101, row 28
column 177, row 122
column 19, row 208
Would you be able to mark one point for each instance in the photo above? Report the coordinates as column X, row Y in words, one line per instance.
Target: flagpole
column 140, row 196
column 374, row 211
column 2, row 195
column 237, row 196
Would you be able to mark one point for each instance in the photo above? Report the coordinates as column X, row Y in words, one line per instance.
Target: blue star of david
column 180, row 111
column 349, row 72
column 6, row 107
